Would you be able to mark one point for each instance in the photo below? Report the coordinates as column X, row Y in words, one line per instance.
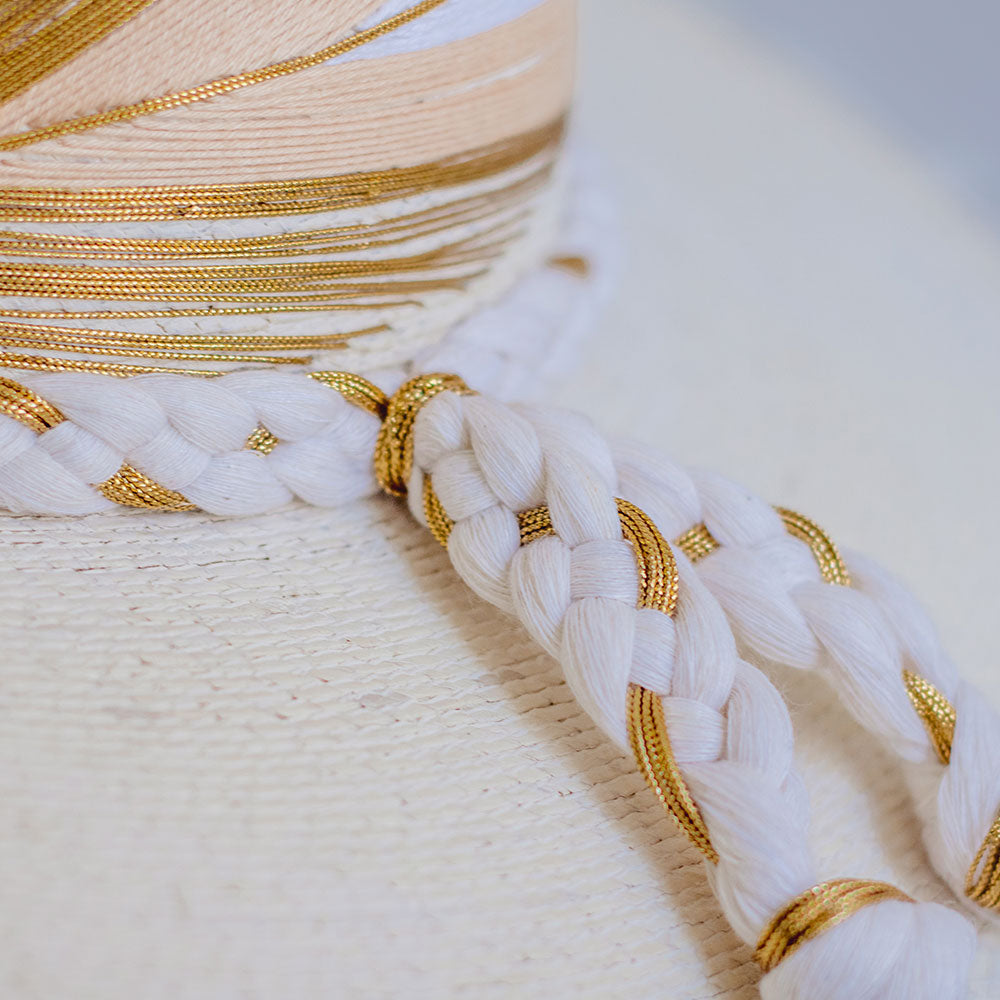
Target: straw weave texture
column 292, row 756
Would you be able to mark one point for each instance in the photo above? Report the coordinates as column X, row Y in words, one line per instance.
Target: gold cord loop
column 982, row 884
column 394, row 447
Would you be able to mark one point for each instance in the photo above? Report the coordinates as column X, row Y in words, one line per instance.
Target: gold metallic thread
column 356, row 390
column 831, row 566
column 533, row 523
column 27, row 407
column 466, row 210
column 982, row 884
column 41, row 363
column 261, row 440
column 658, row 578
column 696, row 543
column 37, row 54
column 263, row 199
column 131, row 488
column 653, row 753
column 215, row 88
column 935, row 711
column 394, row 447
column 438, row 521
column 817, row 910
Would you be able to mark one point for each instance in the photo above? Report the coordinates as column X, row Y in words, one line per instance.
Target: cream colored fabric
column 291, row 756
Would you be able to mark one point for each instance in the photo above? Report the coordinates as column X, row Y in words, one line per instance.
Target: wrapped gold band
column 815, row 911
column 264, row 199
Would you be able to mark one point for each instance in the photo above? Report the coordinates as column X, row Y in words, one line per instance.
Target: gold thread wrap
column 654, row 755
column 394, row 447
column 982, row 884
column 831, row 566
column 658, row 579
column 262, row 440
column 131, row 488
column 534, row 523
column 356, row 390
column 264, row 199
column 27, row 407
column 817, row 910
column 438, row 521
column 697, row 542
column 935, row 711
column 58, row 40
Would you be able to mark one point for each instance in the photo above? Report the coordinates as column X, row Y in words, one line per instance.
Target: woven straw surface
column 291, row 756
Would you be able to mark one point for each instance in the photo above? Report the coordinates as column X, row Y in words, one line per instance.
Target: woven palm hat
column 289, row 753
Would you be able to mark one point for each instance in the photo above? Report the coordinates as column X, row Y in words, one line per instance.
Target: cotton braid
column 574, row 591
column 863, row 637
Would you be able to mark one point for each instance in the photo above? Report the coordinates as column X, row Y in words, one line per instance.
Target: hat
column 263, row 739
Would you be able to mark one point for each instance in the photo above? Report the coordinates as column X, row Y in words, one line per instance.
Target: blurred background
column 810, row 292
column 926, row 70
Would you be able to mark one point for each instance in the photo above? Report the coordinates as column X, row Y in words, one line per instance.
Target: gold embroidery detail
column 21, row 403
column 132, row 488
column 935, row 711
column 696, row 543
column 831, row 566
column 261, row 440
column 816, row 910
